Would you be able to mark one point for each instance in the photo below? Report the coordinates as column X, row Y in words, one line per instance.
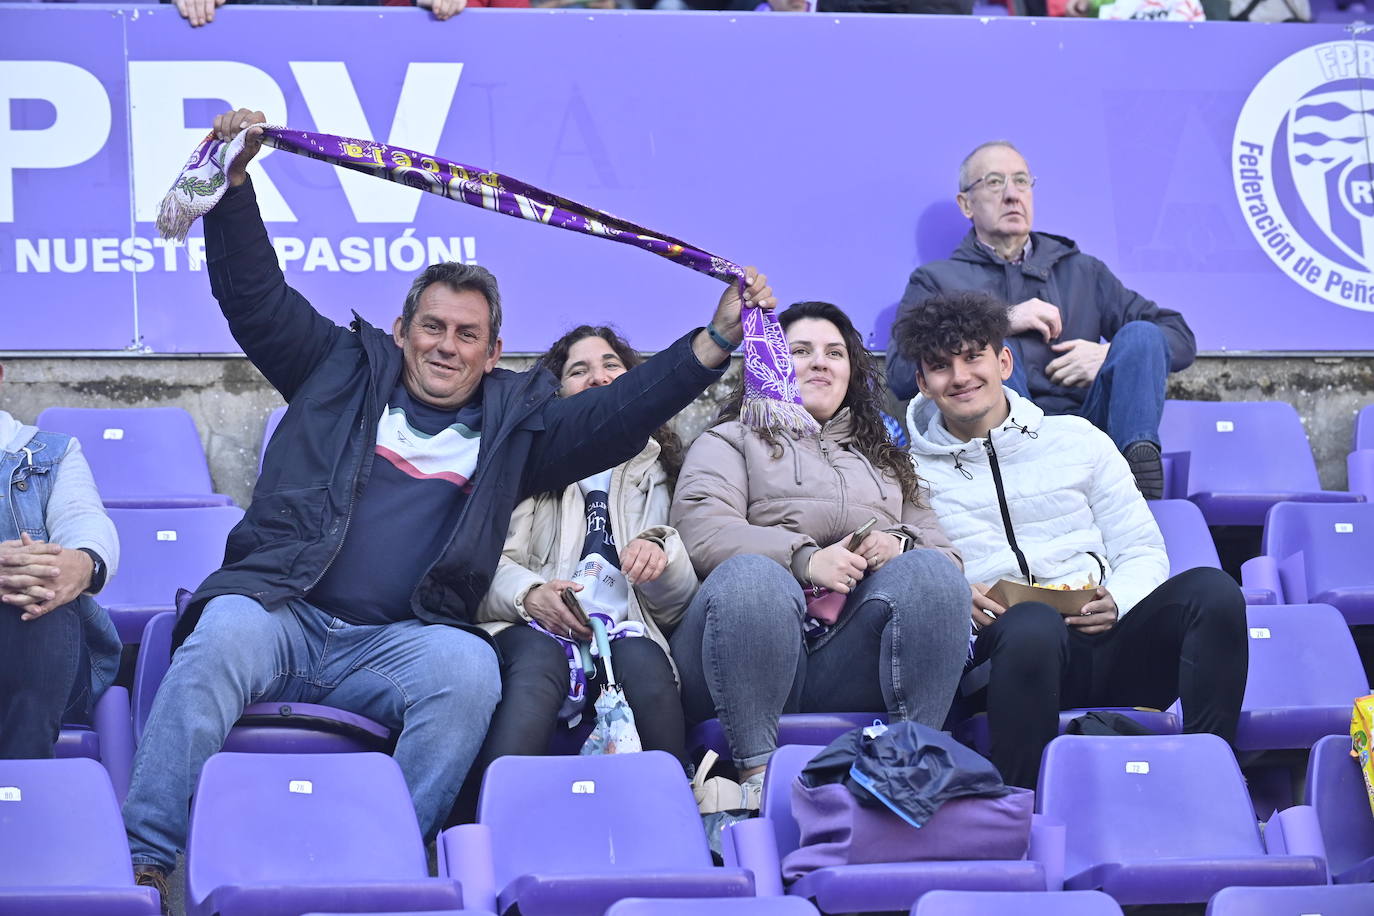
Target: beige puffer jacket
column 545, row 542
column 734, row 497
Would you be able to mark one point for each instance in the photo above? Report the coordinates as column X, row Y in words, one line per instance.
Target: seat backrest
column 1336, row 790
column 1364, row 428
column 1187, row 539
column 1021, row 903
column 1240, row 446
column 1327, row 900
column 1336, row 540
column 713, row 906
column 561, row 815
column 1149, row 797
column 60, row 826
column 301, row 818
column 162, row 550
column 273, row 421
column 783, row 768
column 136, row 451
column 1301, row 655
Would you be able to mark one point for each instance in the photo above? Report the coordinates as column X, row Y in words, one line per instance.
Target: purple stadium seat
column 569, row 836
column 1360, row 463
column 273, row 421
column 270, row 728
column 1166, row 819
column 1325, row 900
column 109, row 739
column 62, row 843
column 793, row 728
column 141, row 456
column 1318, row 554
column 1304, row 673
column 1189, row 543
column 1335, row 789
column 760, row 843
column 1235, row 459
column 1020, row 903
column 288, row 833
column 162, row 550
column 737, row 906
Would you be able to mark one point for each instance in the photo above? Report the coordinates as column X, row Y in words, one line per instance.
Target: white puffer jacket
column 1070, row 495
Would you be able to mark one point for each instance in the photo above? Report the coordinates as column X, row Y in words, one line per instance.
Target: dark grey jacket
column 1092, row 303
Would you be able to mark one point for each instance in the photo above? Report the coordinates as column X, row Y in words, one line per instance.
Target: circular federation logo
column 1303, row 170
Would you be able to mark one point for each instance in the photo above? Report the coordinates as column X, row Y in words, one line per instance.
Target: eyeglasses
column 996, row 181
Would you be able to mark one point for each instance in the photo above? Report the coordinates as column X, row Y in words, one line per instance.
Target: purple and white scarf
column 772, row 399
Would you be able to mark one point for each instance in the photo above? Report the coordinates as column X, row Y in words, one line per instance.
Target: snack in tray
column 1065, row 599
column 1361, row 726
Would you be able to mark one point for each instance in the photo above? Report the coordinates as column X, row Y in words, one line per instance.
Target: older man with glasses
column 1082, row 342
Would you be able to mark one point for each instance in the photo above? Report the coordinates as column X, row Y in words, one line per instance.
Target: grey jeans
column 899, row 646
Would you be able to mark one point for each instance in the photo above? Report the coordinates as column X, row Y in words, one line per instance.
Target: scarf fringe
column 761, row 412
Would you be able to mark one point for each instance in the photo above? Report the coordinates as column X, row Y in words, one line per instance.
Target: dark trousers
column 1185, row 639
column 44, row 680
column 534, row 681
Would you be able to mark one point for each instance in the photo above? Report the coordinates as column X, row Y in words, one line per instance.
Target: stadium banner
column 1218, row 169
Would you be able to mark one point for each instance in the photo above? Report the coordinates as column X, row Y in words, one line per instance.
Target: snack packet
column 1361, row 726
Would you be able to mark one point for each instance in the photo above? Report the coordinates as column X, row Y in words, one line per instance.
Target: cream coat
column 1069, row 492
column 735, row 496
column 545, row 543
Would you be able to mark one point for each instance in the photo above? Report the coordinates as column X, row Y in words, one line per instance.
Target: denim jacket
column 29, row 468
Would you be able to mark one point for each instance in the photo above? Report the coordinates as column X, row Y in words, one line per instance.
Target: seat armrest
column 1047, row 837
column 115, row 726
column 154, row 658
column 465, row 854
column 1260, row 576
column 1295, row 832
column 1359, row 467
column 750, row 844
column 1176, row 467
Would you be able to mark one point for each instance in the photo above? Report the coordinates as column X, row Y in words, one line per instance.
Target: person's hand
column 601, row 5
column 39, row 576
column 1078, row 363
column 836, row 568
column 1036, row 315
column 727, row 319
column 642, row 561
column 227, row 127
column 1078, row 8
column 443, row 9
column 789, row 6
column 985, row 610
column 1098, row 615
column 878, row 547
column 545, row 604
column 198, row 12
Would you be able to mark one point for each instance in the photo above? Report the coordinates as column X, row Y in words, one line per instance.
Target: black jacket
column 1093, row 305
column 336, row 382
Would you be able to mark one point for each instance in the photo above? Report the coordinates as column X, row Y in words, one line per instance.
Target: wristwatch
column 98, row 571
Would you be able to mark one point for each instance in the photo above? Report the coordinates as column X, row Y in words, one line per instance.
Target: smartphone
column 570, row 599
column 857, row 537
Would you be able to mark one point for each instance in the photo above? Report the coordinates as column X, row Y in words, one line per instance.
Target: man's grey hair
column 965, row 179
column 460, row 278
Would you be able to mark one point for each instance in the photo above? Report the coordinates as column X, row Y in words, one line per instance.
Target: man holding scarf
column 380, row 514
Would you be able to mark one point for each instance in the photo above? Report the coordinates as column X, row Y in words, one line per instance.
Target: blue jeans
column 1126, row 400
column 899, row 646
column 437, row 684
column 44, row 679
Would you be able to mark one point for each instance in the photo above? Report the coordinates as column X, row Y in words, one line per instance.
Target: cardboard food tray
column 1069, row 603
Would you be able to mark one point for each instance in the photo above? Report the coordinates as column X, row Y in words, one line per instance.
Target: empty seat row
column 1160, row 819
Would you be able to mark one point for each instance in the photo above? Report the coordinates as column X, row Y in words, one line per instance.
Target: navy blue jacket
column 336, row 382
column 1093, row 305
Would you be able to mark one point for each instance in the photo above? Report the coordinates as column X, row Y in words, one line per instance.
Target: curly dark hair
column 944, row 324
column 864, row 398
column 556, row 357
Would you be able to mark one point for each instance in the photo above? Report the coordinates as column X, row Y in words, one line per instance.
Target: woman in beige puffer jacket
column 767, row 522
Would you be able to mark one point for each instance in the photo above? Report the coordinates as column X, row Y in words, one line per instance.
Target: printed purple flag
column 772, row 399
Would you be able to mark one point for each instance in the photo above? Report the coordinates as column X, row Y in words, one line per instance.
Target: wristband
column 719, row 341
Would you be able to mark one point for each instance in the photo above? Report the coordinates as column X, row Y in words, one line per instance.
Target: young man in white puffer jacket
column 1024, row 495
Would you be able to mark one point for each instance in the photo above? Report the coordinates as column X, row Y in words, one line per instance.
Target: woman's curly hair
column 944, row 324
column 556, row 357
column 864, row 398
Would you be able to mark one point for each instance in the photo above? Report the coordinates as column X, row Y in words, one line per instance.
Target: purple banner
column 1225, row 172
